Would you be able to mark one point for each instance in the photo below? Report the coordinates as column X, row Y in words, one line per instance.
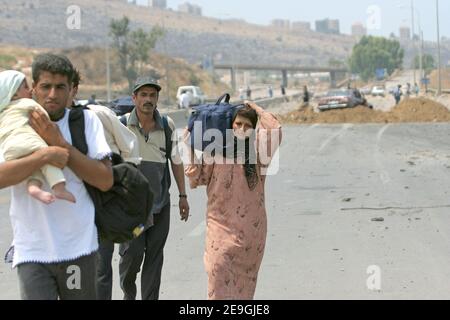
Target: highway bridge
column 335, row 73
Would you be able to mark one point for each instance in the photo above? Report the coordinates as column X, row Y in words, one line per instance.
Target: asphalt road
column 333, row 180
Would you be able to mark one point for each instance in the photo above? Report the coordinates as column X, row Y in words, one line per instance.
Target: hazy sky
column 382, row 16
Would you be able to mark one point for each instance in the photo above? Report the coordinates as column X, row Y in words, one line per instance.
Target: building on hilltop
column 301, row 26
column 358, row 30
column 139, row 2
column 190, row 9
column 161, row 4
column 328, row 26
column 281, row 24
column 405, row 33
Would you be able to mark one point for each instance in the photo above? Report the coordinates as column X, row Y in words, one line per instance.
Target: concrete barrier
column 179, row 116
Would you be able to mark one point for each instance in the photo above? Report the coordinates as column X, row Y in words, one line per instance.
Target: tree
column 133, row 47
column 335, row 63
column 373, row 53
column 428, row 63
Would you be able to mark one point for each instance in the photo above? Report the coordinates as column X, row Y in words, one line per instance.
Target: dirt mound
column 410, row 110
column 419, row 110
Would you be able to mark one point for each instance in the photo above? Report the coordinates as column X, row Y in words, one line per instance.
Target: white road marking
column 384, row 175
column 344, row 128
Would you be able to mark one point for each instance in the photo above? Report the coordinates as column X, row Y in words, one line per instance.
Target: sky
column 381, row 16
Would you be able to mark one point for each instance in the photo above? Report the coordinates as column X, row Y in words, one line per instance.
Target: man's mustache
column 148, row 104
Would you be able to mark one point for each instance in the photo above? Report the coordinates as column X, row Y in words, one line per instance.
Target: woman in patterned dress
column 236, row 213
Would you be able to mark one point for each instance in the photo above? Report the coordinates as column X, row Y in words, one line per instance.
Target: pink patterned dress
column 236, row 218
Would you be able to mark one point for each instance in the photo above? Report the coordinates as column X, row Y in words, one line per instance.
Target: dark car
column 336, row 99
column 122, row 105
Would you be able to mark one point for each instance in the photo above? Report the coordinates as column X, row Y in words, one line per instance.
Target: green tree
column 335, row 63
column 133, row 47
column 373, row 53
column 428, row 63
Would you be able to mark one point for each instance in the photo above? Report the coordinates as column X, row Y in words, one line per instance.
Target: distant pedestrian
column 398, row 94
column 270, row 91
column 283, row 91
column 249, row 93
column 185, row 102
column 92, row 100
column 305, row 96
column 416, row 89
column 241, row 93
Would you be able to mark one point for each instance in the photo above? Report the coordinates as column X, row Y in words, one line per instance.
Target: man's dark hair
column 53, row 63
column 76, row 78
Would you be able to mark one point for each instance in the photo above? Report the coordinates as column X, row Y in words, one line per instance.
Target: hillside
column 34, row 23
column 42, row 24
column 91, row 64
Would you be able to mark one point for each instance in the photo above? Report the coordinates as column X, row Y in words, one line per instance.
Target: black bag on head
column 122, row 211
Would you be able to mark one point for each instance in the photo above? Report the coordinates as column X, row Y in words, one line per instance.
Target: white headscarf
column 10, row 82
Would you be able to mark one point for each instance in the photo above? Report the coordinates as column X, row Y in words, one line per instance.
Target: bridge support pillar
column 285, row 78
column 233, row 79
column 333, row 79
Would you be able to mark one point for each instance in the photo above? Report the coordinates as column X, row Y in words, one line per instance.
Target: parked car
column 197, row 95
column 122, row 105
column 85, row 102
column 366, row 90
column 378, row 91
column 336, row 99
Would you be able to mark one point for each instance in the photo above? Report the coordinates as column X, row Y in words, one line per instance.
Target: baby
column 18, row 139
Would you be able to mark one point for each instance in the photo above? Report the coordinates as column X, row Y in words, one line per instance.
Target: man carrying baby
column 55, row 244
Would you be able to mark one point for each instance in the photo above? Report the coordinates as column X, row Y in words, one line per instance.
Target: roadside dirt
column 409, row 110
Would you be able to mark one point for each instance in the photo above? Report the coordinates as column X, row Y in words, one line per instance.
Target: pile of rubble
column 409, row 110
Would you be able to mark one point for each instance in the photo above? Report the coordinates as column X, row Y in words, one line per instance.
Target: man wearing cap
column 149, row 127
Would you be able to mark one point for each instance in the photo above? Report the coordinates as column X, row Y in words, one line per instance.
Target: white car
column 197, row 95
column 366, row 90
column 378, row 91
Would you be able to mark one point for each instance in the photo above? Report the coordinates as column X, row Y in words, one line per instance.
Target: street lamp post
column 439, row 91
column 413, row 38
column 108, row 61
column 413, row 10
column 422, row 73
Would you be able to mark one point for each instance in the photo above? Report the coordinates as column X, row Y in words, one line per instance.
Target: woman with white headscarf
column 18, row 139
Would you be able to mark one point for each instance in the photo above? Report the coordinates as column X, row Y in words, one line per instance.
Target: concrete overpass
column 335, row 73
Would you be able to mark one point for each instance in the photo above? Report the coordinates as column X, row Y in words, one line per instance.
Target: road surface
column 320, row 243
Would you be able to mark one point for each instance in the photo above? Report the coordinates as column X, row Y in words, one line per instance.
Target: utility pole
column 439, row 91
column 421, row 76
column 108, row 74
column 108, row 60
column 167, row 60
column 413, row 38
column 422, row 73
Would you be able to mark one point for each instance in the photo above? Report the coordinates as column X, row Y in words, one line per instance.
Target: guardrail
column 179, row 115
column 446, row 91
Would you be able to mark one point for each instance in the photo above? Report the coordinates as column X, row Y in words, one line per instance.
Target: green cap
column 146, row 81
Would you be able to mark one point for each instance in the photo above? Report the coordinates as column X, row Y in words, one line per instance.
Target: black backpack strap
column 77, row 129
column 225, row 97
column 168, row 133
